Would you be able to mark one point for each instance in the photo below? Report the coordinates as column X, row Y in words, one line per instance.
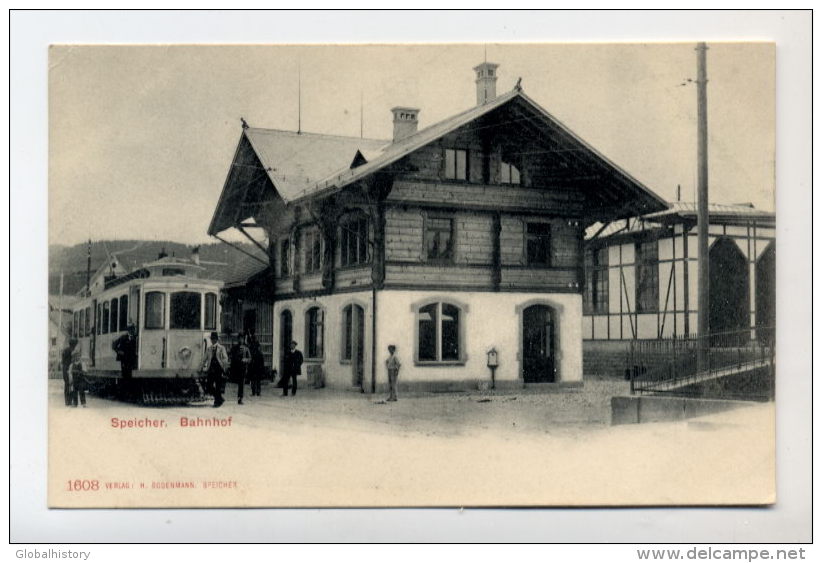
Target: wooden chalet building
column 447, row 242
column 641, row 279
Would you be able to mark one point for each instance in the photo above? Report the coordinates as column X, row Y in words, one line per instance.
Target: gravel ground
column 323, row 448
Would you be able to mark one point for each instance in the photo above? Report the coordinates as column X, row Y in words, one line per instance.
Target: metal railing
column 671, row 366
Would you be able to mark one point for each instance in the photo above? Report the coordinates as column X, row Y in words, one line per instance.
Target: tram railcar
column 173, row 312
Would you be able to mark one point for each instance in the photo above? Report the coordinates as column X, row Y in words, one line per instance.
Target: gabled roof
column 302, row 165
column 295, row 162
column 241, row 272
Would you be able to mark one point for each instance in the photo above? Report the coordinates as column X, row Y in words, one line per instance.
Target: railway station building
column 460, row 243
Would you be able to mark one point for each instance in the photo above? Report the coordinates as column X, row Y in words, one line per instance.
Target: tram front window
column 185, row 310
column 155, row 305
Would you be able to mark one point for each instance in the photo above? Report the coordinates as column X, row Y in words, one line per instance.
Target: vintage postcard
column 411, row 275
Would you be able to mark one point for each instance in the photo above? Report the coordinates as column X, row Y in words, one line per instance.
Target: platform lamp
column 493, row 362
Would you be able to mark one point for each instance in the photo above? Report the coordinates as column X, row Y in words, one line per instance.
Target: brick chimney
column 486, row 82
column 405, row 122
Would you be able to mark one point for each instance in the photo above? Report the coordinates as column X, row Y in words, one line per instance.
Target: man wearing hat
column 125, row 348
column 66, row 364
column 215, row 365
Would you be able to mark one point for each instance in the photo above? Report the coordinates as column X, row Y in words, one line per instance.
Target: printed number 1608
column 83, row 485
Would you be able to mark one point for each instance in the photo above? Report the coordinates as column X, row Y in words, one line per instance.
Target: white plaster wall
column 337, row 373
column 646, row 325
column 492, row 320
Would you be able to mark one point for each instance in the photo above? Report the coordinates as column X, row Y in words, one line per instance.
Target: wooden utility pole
column 704, row 301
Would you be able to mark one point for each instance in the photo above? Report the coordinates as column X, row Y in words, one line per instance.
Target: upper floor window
column 314, row 324
column 210, row 311
column 285, row 269
column 438, row 333
column 439, row 238
column 354, row 242
column 538, row 243
column 185, row 310
column 312, row 251
column 647, row 277
column 509, row 174
column 155, row 309
column 596, row 281
column 456, row 164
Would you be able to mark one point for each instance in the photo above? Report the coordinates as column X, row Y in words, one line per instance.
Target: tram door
column 538, row 344
column 286, row 335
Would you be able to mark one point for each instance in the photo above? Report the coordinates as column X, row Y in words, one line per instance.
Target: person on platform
column 66, row 362
column 78, row 381
column 257, row 365
column 215, row 365
column 292, row 367
column 239, row 358
column 392, row 364
column 125, row 348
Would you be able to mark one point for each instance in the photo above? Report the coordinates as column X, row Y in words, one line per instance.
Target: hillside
column 217, row 258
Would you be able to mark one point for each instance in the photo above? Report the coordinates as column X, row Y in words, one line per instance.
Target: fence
column 738, row 364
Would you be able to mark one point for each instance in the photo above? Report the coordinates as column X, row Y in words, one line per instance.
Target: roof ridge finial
column 245, row 125
column 518, row 86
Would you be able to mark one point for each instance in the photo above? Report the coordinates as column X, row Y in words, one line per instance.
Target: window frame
column 320, row 331
column 646, row 276
column 462, row 313
column 146, row 300
column 511, row 167
column 346, row 332
column 466, row 168
column 106, row 316
column 171, row 308
column 361, row 238
column 597, row 279
column 206, row 325
column 285, row 257
column 311, row 246
column 427, row 226
column 114, row 315
column 527, row 237
column 123, row 314
column 88, row 325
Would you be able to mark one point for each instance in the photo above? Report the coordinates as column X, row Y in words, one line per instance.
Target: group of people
column 244, row 362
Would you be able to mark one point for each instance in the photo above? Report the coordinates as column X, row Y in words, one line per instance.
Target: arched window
column 124, row 312
column 115, row 308
column 440, row 328
column 314, row 324
column 105, row 317
column 353, row 332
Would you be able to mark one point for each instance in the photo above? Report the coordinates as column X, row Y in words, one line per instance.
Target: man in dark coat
column 66, row 362
column 257, row 366
column 239, row 357
column 126, row 349
column 292, row 367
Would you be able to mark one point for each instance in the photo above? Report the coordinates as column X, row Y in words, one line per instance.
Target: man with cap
column 125, row 348
column 66, row 363
column 215, row 365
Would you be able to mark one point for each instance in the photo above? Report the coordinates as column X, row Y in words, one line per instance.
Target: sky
column 141, row 137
